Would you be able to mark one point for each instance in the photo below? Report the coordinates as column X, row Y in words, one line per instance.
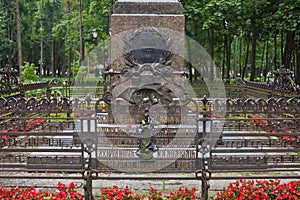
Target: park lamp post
column 95, row 35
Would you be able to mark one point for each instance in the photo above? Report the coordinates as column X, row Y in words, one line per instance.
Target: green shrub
column 28, row 72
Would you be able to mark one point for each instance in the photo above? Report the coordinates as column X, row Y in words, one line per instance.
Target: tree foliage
column 4, row 40
column 255, row 31
column 244, row 37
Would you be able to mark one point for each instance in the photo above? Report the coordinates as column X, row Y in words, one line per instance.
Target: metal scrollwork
column 271, row 105
column 262, row 105
column 9, row 81
column 42, row 105
column 283, row 81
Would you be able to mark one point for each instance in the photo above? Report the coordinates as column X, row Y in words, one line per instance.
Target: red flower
column 71, row 186
column 260, row 189
column 33, row 194
column 61, row 186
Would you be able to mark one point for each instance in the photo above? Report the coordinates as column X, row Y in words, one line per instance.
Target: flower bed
column 239, row 190
column 260, row 190
column 64, row 192
column 259, row 121
column 152, row 194
column 30, row 124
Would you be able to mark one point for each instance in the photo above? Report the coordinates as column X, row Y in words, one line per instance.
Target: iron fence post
column 88, row 178
column 204, row 151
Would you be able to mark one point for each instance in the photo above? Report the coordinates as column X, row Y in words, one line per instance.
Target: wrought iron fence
column 258, row 136
column 80, row 136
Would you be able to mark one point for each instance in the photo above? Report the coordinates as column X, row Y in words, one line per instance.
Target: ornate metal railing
column 282, row 87
column 258, row 136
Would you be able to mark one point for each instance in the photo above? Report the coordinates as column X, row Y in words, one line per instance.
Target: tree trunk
column 240, row 57
column 236, row 53
column 266, row 70
column 275, row 53
column 281, row 49
column 227, row 51
column 261, row 70
column 196, row 74
column 223, row 63
column 297, row 70
column 81, row 59
column 189, row 60
column 69, row 49
column 52, row 58
column 289, row 45
column 41, row 42
column 253, row 57
column 41, row 58
column 10, row 31
column 53, row 68
column 20, row 59
column 246, row 61
column 212, row 55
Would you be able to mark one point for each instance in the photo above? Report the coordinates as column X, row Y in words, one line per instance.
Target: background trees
column 19, row 39
column 5, row 33
column 245, row 38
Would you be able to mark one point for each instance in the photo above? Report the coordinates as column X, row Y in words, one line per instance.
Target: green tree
column 4, row 41
column 95, row 15
column 231, row 31
column 38, row 19
column 194, row 21
column 19, row 39
column 285, row 20
column 222, row 20
column 254, row 13
column 289, row 22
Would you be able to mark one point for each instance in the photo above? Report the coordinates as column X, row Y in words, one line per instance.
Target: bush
column 28, row 73
column 260, row 190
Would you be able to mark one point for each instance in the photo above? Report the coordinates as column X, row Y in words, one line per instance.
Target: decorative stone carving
column 147, row 45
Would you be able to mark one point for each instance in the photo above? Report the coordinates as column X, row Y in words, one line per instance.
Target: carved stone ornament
column 147, row 45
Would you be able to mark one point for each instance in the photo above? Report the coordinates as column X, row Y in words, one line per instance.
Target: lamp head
column 95, row 33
